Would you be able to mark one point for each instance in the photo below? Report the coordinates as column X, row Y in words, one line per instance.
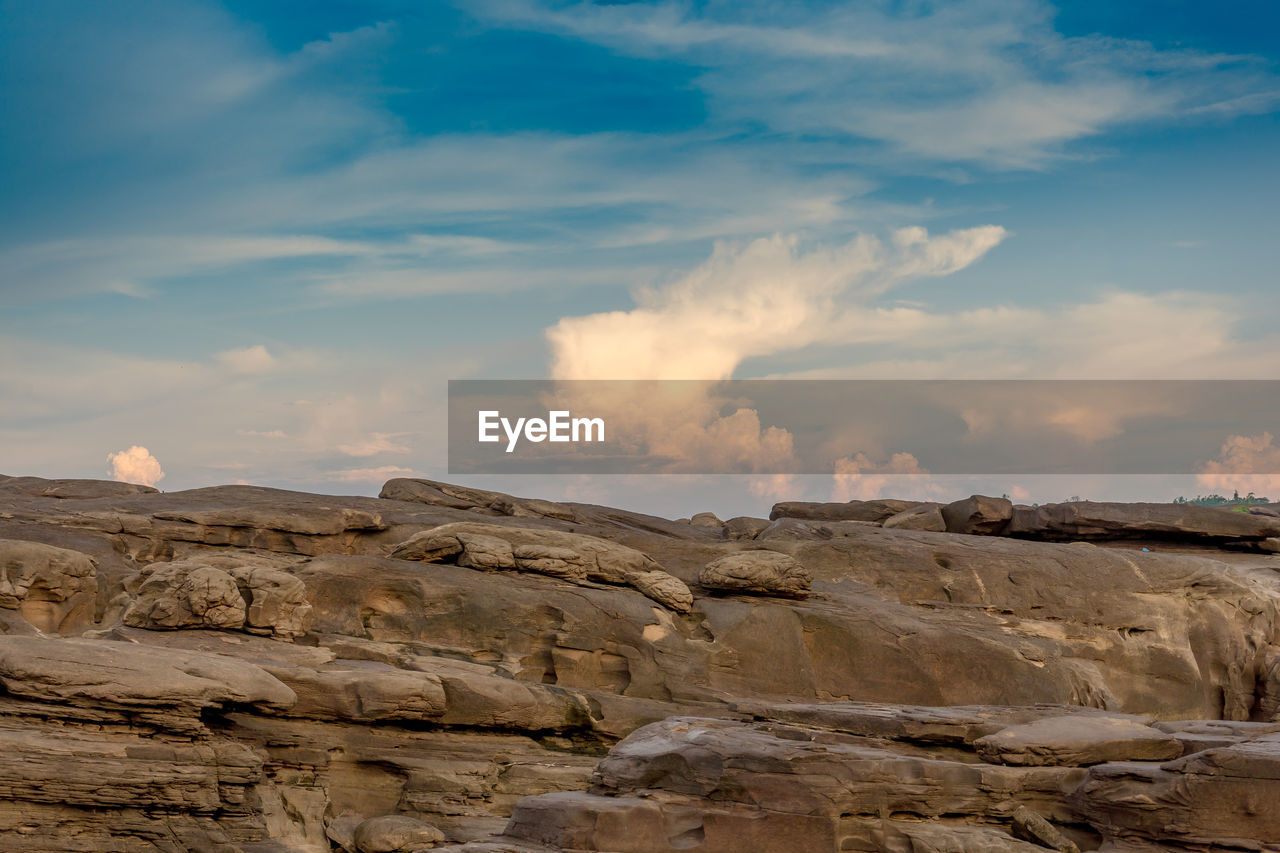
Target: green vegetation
column 1244, row 501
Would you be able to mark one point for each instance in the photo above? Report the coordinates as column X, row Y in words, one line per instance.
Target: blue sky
column 257, row 238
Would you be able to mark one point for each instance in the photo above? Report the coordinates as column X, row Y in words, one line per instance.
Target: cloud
column 857, row 477
column 1247, row 463
column 766, row 297
column 379, row 442
column 254, row 359
column 371, row 475
column 135, row 465
column 255, row 433
column 989, row 82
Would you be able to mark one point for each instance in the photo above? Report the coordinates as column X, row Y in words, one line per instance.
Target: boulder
column 221, row 592
column 461, row 497
column 745, row 527
column 186, row 595
column 275, row 601
column 574, row 557
column 757, row 573
column 874, row 511
column 978, row 515
column 54, row 589
column 395, row 834
column 706, row 519
column 923, row 517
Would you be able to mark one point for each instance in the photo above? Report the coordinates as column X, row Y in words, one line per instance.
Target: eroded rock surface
column 446, row 668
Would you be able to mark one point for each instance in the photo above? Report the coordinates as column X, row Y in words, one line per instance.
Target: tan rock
column 187, row 595
column 395, row 834
column 923, row 517
column 1078, row 741
column 979, row 515
column 54, row 589
column 757, row 573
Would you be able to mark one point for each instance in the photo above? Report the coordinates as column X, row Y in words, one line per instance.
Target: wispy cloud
column 988, row 82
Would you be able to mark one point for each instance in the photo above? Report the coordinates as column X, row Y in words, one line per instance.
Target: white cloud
column 1247, row 463
column 254, row 359
column 988, row 81
column 858, row 477
column 766, row 297
column 135, row 465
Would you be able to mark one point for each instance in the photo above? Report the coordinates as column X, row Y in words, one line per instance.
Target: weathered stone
column 745, row 527
column 706, row 519
column 979, row 515
column 923, row 517
column 874, row 511
column 574, row 557
column 462, row 497
column 758, row 573
column 187, row 595
column 395, row 834
column 1032, row 827
column 485, row 552
column 1083, row 520
column 1077, row 741
column 54, row 589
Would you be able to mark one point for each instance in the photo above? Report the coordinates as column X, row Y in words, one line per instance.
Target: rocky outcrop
column 978, row 515
column 53, row 589
column 479, row 500
column 572, row 557
column 757, row 573
column 873, row 511
column 923, row 517
column 1091, row 520
column 247, row 669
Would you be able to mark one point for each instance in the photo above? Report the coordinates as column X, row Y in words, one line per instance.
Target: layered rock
column 246, row 669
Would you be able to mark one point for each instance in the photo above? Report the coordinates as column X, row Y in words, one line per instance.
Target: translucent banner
column 864, row 426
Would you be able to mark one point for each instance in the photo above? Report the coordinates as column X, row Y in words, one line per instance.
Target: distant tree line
column 1219, row 500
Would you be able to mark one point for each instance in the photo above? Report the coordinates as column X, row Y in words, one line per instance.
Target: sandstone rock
column 757, row 572
column 472, row 700
column 129, row 676
column 874, row 511
column 312, row 521
column 1217, row 799
column 395, row 834
column 1032, row 827
column 1080, row 520
column 462, row 497
column 924, row 517
column 670, row 592
column 276, row 601
column 1270, row 545
column 70, row 489
column 1077, row 741
column 485, row 552
column 574, row 557
column 979, row 515
column 745, row 527
column 54, row 589
column 187, row 595
column 706, row 519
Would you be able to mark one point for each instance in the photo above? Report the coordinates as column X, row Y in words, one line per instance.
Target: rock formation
column 247, row 669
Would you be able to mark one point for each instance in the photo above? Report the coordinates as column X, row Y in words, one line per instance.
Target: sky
column 251, row 241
